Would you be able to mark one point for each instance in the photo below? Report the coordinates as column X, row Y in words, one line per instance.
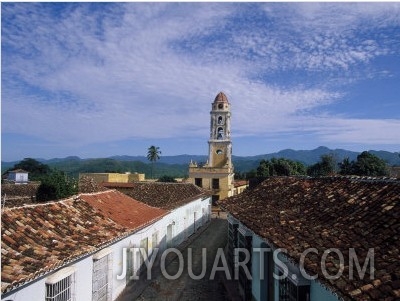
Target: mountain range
column 177, row 165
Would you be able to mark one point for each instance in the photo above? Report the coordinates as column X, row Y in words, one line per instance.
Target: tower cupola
column 217, row 174
column 220, row 102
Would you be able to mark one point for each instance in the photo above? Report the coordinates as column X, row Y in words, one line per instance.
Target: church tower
column 216, row 175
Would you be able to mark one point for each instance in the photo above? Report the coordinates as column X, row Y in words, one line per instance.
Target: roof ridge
column 71, row 198
column 122, row 194
column 363, row 178
column 97, row 192
column 349, row 177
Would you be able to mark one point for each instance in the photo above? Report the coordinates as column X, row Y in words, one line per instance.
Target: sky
column 102, row 79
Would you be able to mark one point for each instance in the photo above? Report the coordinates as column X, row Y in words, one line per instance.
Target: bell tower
column 220, row 146
column 216, row 175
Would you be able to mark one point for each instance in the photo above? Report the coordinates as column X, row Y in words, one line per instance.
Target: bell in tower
column 220, row 148
column 217, row 174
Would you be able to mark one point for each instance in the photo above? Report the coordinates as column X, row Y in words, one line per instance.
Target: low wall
column 18, row 194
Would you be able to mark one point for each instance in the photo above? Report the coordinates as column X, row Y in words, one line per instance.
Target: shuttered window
column 102, row 273
column 60, row 285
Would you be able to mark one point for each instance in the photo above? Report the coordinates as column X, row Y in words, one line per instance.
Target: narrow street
column 211, row 237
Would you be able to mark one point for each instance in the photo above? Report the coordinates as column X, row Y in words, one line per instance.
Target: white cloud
column 362, row 131
column 152, row 70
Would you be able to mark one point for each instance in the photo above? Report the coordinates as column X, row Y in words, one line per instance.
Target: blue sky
column 103, row 79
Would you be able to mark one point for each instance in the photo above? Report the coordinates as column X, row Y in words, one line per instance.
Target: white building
column 316, row 239
column 75, row 249
column 18, row 176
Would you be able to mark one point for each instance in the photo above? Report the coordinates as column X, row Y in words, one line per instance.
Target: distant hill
column 178, row 159
column 177, row 166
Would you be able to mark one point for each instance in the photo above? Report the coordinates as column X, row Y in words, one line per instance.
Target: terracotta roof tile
column 221, row 97
column 167, row 196
column 123, row 209
column 238, row 183
column 37, row 239
column 18, row 171
column 322, row 213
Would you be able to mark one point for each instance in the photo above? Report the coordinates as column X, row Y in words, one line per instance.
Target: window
column 220, row 135
column 154, row 240
column 215, row 183
column 102, row 273
column 244, row 241
column 214, row 199
column 232, row 244
column 144, row 247
column 198, row 182
column 289, row 291
column 220, row 120
column 219, row 152
column 60, row 285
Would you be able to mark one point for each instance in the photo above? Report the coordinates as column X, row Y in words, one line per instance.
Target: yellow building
column 114, row 177
column 217, row 174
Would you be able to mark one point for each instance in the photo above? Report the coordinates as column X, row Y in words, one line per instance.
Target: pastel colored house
column 217, row 174
column 126, row 177
column 316, row 239
column 74, row 249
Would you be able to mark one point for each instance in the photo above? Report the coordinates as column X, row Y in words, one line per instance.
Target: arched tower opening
column 217, row 174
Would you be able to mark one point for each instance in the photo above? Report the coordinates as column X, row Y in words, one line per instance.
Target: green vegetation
column 325, row 167
column 245, row 167
column 167, row 179
column 274, row 167
column 35, row 169
column 56, row 185
column 367, row 164
column 153, row 154
column 73, row 167
column 278, row 167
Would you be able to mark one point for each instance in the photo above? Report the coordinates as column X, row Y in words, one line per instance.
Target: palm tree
column 153, row 154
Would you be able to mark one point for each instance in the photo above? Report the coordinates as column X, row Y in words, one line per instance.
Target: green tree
column 35, row 168
column 46, row 192
column 300, row 168
column 325, row 167
column 279, row 167
column 56, row 185
column 368, row 164
column 346, row 167
column 167, row 179
column 264, row 169
column 153, row 154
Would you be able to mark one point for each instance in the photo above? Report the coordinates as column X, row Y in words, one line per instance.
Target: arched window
column 220, row 134
column 220, row 120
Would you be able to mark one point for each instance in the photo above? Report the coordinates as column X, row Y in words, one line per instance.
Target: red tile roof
column 221, row 97
column 19, row 171
column 322, row 213
column 238, row 183
column 123, row 209
column 167, row 196
column 37, row 239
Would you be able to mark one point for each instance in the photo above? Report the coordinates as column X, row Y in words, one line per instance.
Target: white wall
column 183, row 220
column 35, row 292
column 259, row 284
column 18, row 177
